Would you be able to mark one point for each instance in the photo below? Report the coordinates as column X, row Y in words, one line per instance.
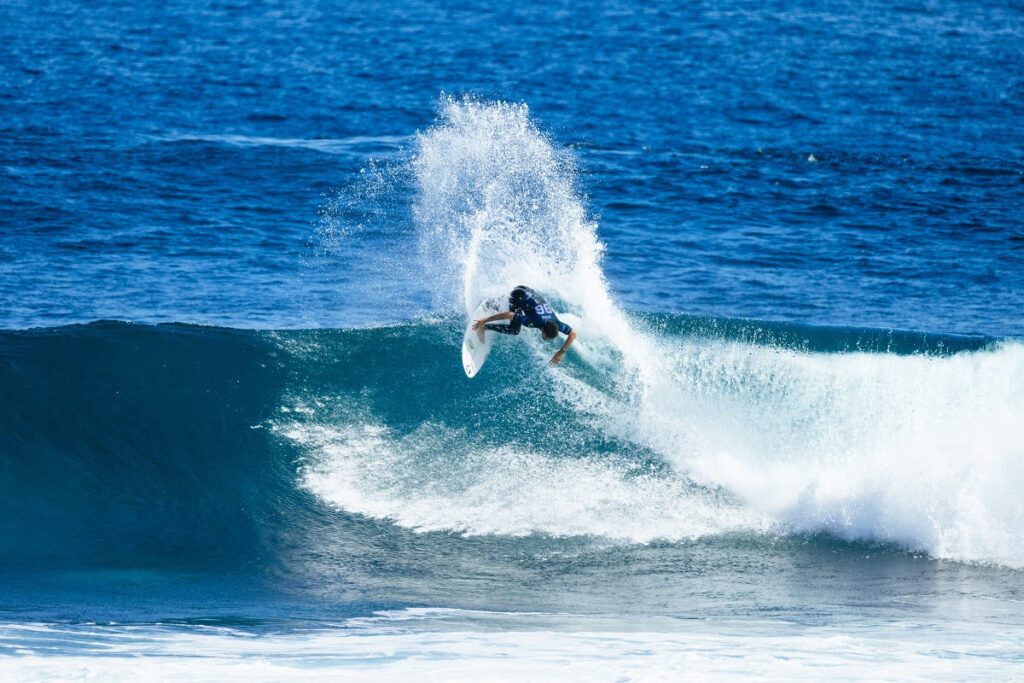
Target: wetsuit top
column 531, row 310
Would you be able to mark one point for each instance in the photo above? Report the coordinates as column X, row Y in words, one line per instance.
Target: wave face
column 210, row 447
column 137, row 445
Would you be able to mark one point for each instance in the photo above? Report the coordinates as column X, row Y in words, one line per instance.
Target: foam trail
column 418, row 481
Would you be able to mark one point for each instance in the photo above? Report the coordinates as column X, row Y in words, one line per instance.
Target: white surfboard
column 475, row 346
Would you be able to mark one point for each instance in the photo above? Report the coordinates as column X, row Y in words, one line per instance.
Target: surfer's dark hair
column 549, row 329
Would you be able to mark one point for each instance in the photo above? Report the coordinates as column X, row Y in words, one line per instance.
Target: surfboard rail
column 474, row 349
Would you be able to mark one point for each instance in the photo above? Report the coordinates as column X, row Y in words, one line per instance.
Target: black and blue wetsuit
column 530, row 310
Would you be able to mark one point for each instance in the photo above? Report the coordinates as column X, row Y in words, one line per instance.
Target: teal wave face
column 184, row 446
column 137, row 445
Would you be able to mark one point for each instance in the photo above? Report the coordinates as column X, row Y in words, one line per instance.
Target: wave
column 154, row 444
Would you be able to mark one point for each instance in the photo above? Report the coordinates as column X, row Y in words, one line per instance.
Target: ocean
column 239, row 246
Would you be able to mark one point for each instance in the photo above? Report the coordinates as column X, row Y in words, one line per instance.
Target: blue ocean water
column 167, row 162
column 239, row 244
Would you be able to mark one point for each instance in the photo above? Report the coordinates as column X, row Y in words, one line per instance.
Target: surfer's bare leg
column 504, row 329
column 480, row 324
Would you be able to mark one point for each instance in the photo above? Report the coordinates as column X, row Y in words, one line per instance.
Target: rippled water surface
column 838, row 163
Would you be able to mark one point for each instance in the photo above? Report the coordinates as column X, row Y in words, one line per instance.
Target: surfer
column 527, row 307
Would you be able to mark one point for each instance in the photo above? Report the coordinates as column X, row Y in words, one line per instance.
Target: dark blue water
column 166, row 162
column 791, row 239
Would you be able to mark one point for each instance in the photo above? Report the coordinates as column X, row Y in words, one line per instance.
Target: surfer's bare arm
column 507, row 315
column 557, row 358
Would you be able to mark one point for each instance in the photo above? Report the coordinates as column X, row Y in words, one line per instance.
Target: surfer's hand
column 477, row 324
column 557, row 358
